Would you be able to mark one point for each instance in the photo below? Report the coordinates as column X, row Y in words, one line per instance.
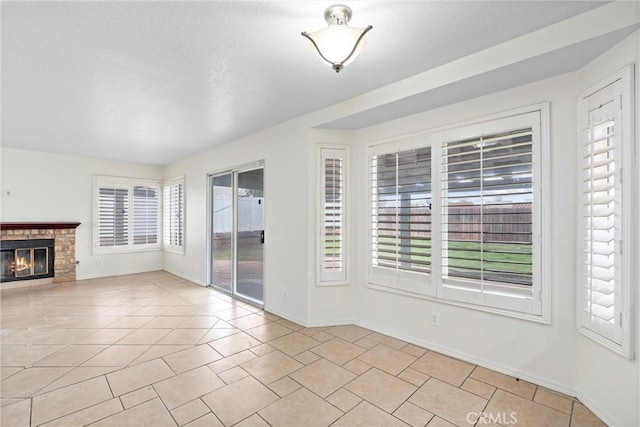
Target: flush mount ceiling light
column 338, row 44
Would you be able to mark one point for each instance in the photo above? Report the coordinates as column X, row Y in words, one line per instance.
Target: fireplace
column 42, row 251
column 27, row 259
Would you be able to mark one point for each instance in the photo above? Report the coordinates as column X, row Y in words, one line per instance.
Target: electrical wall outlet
column 435, row 319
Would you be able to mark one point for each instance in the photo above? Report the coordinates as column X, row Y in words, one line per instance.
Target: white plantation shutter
column 401, row 222
column 113, row 216
column 487, row 205
column 601, row 210
column 401, row 205
column 146, row 215
column 332, row 231
column 602, row 309
column 126, row 215
column 491, row 213
column 173, row 199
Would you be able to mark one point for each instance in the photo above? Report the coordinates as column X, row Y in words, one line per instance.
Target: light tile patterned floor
column 152, row 349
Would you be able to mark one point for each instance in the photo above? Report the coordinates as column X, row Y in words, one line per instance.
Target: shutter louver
column 601, row 211
column 145, row 215
column 332, row 238
column 333, row 214
column 401, row 210
column 113, row 218
column 487, row 216
column 606, row 247
column 173, row 214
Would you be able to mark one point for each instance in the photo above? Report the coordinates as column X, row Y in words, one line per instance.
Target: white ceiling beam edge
column 589, row 25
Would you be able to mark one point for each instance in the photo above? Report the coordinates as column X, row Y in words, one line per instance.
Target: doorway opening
column 237, row 233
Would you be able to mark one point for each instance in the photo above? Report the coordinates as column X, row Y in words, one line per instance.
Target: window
column 401, row 217
column 332, row 251
column 113, row 214
column 173, row 215
column 603, row 230
column 127, row 215
column 145, row 215
column 491, row 218
column 457, row 214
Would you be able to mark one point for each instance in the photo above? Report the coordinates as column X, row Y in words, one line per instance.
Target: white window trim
column 431, row 284
column 325, row 277
column 100, row 181
column 628, row 251
column 167, row 247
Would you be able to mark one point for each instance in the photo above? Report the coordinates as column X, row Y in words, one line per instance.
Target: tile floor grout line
column 79, row 410
column 165, row 406
column 184, row 296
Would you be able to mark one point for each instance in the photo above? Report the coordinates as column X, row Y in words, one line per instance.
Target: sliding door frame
column 234, row 171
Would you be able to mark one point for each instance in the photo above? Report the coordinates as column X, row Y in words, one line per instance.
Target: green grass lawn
column 492, row 257
column 514, row 258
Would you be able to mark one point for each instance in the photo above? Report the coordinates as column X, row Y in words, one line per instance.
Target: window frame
column 327, row 276
column 167, row 213
column 101, row 181
column 430, row 287
column 518, row 299
column 398, row 279
column 625, row 249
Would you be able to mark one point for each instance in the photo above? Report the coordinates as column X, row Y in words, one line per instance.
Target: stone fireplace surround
column 64, row 234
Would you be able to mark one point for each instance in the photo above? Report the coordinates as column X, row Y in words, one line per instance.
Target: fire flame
column 21, row 264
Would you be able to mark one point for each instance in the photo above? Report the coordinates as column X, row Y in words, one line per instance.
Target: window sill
column 125, row 250
column 329, row 284
column 616, row 348
column 174, row 250
column 502, row 312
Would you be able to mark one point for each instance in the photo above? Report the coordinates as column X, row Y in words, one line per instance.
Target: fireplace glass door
column 23, row 265
column 31, row 262
column 26, row 259
column 40, row 261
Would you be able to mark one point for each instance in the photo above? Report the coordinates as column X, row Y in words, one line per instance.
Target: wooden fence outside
column 500, row 224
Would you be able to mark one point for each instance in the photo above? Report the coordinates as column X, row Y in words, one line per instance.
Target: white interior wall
column 330, row 304
column 54, row 187
column 554, row 355
column 538, row 352
column 284, row 150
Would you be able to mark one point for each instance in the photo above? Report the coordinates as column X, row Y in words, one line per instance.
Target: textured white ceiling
column 155, row 82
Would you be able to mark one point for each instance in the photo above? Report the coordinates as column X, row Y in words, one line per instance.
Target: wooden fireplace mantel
column 37, row 225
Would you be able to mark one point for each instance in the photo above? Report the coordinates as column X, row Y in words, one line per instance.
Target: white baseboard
column 489, row 364
column 330, row 322
column 286, row 316
column 507, row 370
column 185, row 277
column 597, row 410
column 430, row 345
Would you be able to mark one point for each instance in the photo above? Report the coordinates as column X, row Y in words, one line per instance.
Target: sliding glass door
column 222, row 231
column 237, row 233
column 250, row 234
